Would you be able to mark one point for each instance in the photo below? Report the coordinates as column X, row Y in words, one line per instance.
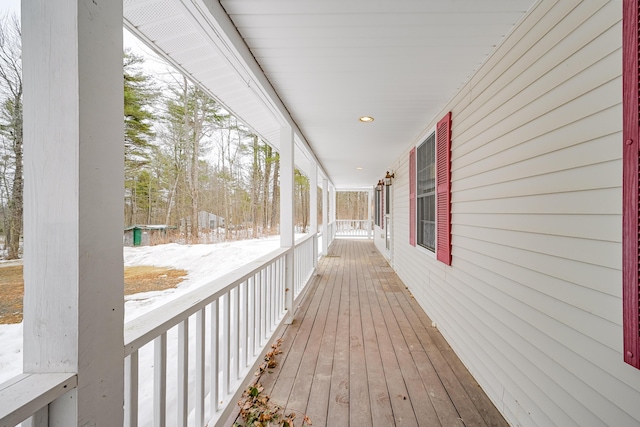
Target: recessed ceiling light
column 366, row 119
column 359, row 168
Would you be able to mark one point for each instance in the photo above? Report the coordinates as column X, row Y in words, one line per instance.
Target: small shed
column 145, row 235
column 207, row 220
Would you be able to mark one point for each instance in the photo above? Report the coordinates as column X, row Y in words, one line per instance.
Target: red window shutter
column 630, row 178
column 443, row 185
column 412, row 197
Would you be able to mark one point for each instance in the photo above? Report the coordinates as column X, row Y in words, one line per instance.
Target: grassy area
column 136, row 279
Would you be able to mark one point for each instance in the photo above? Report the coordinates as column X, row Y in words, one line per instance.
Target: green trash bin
column 137, row 236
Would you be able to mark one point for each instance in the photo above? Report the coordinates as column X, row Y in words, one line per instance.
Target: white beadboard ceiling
column 319, row 65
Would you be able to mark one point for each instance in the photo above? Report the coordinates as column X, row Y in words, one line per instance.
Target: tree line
column 184, row 156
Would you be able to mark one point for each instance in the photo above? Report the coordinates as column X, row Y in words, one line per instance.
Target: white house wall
column 532, row 301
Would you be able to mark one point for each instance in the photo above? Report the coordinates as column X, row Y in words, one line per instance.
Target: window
column 630, row 183
column 387, row 209
column 426, row 193
column 430, row 192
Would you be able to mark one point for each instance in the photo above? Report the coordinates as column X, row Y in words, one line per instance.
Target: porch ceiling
column 319, row 65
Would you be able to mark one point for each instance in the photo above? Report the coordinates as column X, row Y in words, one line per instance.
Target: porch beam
column 73, row 205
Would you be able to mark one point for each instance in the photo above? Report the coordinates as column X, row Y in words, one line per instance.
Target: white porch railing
column 27, row 396
column 353, row 228
column 190, row 360
column 305, row 258
column 234, row 317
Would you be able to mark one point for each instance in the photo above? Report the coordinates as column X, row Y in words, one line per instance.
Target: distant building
column 145, row 235
column 209, row 220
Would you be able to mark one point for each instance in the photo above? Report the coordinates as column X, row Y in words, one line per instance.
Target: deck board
column 361, row 352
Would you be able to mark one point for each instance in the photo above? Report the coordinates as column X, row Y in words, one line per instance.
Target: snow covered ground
column 202, row 262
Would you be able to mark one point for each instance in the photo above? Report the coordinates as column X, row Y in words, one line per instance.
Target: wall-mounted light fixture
column 388, row 179
column 380, row 185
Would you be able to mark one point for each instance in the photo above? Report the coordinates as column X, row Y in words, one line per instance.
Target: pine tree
column 140, row 94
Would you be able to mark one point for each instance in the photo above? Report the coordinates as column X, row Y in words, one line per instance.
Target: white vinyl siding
column 532, row 300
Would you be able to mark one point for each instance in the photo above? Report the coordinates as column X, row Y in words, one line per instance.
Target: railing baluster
column 39, row 419
column 131, row 390
column 263, row 309
column 183, row 372
column 200, row 353
column 299, row 270
column 160, row 380
column 270, row 271
column 247, row 316
column 268, row 282
column 215, row 358
column 237, row 335
column 256, row 313
column 274, row 295
column 279, row 288
column 227, row 343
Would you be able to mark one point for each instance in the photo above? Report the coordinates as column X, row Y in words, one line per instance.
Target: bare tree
column 256, row 178
column 11, row 131
column 190, row 118
column 268, row 159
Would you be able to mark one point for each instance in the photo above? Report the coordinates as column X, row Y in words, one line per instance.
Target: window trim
column 443, row 235
column 435, row 193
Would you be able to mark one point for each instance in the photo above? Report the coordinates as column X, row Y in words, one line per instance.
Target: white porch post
column 369, row 226
column 286, row 213
column 73, row 203
column 313, row 208
column 325, row 217
column 332, row 211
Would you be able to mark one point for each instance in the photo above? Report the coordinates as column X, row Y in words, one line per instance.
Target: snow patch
column 203, row 264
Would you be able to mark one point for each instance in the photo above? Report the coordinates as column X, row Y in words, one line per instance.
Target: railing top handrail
column 25, row 394
column 145, row 328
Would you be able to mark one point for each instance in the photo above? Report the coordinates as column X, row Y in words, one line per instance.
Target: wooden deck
column 361, row 352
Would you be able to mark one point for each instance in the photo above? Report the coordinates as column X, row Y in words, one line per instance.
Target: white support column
column 332, row 211
column 73, row 203
column 313, row 208
column 333, row 204
column 369, row 219
column 287, row 239
column 325, row 217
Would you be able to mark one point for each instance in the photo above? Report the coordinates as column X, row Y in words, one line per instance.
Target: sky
column 10, row 6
